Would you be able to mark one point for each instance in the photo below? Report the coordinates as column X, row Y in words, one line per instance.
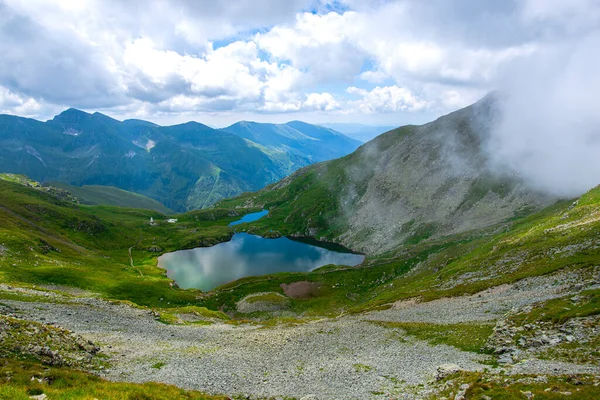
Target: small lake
column 250, row 217
column 244, row 255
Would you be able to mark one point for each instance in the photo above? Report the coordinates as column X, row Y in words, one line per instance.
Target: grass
column 274, row 298
column 467, row 336
column 558, row 311
column 112, row 196
column 20, row 379
column 201, row 315
column 362, row 367
column 158, row 365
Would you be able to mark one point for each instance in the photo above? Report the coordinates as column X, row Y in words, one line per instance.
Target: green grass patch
column 16, row 383
column 274, row 298
column 467, row 336
column 560, row 310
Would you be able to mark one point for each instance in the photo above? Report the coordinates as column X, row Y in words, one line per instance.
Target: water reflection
column 205, row 268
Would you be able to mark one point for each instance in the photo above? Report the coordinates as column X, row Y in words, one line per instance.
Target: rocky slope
column 407, row 185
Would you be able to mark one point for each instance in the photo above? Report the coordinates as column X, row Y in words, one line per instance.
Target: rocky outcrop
column 263, row 302
column 512, row 342
column 51, row 345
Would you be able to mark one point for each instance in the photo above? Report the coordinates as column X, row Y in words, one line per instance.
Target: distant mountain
column 360, row 132
column 408, row 185
column 184, row 166
column 312, row 142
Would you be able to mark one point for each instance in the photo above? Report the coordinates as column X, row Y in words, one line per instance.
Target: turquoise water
column 244, row 255
column 250, row 217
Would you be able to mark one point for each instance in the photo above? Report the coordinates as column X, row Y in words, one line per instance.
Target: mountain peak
column 71, row 115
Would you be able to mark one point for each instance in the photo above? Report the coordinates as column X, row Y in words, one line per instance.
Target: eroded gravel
column 349, row 357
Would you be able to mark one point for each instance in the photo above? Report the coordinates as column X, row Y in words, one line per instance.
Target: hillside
column 184, row 167
column 405, row 186
column 112, row 196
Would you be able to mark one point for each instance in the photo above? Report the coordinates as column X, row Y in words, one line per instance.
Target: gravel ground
column 348, row 357
column 345, row 358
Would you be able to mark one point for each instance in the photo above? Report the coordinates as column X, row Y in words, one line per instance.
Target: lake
column 250, row 217
column 244, row 255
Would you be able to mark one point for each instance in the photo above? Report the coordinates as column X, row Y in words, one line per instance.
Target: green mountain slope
column 48, row 240
column 311, row 143
column 45, row 239
column 112, row 196
column 407, row 185
column 184, row 167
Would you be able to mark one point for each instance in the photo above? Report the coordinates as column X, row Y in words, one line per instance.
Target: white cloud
column 271, row 56
column 321, row 101
column 386, row 99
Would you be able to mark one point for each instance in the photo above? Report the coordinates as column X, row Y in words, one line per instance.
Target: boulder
column 445, row 370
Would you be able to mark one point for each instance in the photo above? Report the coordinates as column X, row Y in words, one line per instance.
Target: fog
column 549, row 130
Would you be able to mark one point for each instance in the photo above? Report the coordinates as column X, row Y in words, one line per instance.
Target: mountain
column 360, row 132
column 184, row 166
column 408, row 185
column 312, row 142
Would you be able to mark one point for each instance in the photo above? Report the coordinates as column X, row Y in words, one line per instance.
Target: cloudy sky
column 369, row 61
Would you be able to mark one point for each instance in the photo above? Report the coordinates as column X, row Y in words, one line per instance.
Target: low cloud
column 549, row 131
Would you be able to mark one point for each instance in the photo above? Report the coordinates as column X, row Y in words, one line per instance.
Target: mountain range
column 186, row 166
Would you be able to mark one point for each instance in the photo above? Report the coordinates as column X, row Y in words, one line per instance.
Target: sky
column 217, row 62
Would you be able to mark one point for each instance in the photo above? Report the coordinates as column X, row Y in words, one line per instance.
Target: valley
column 505, row 303
column 299, row 200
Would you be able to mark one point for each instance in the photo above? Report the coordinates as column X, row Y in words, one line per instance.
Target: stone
column 445, row 370
column 39, row 397
column 527, row 394
column 460, row 395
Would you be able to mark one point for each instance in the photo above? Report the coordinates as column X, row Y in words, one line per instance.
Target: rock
column 309, row 397
column 39, row 397
column 485, row 397
column 505, row 358
column 264, row 301
column 527, row 394
column 87, row 346
column 445, row 370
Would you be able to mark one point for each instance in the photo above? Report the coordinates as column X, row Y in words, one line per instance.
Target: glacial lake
column 244, row 255
column 250, row 217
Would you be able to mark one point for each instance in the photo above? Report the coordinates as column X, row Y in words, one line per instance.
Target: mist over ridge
column 549, row 127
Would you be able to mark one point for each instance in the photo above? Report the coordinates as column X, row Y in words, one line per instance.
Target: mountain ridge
column 183, row 166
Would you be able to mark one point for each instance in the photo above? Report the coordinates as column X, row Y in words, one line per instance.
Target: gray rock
column 445, row 370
